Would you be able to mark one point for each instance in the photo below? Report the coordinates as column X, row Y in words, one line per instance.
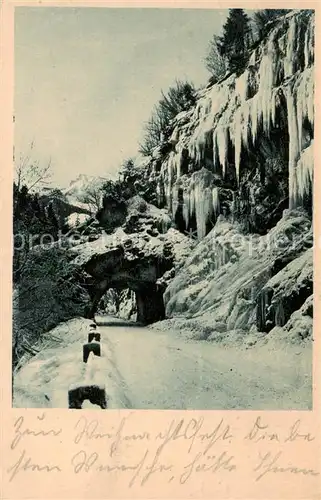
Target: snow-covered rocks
column 144, row 217
column 74, row 219
column 286, row 291
column 225, row 279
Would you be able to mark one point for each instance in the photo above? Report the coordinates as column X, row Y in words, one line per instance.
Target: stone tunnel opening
column 142, row 303
column 131, row 263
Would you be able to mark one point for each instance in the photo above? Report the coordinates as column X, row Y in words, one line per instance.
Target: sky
column 87, row 79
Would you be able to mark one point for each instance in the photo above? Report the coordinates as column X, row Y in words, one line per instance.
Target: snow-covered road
column 144, row 368
column 161, row 370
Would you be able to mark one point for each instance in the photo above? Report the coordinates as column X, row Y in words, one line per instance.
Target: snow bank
column 44, row 381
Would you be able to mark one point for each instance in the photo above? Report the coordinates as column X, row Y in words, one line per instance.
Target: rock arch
column 122, row 261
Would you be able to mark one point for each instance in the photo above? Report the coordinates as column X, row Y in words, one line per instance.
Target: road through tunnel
column 138, row 269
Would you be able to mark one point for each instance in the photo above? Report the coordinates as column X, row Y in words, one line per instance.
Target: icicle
column 300, row 99
column 306, row 48
column 175, row 136
column 215, row 153
column 174, row 200
column 186, row 207
column 203, row 208
column 293, row 145
column 266, row 85
column 279, row 316
column 178, row 163
column 168, row 193
column 220, row 144
column 304, row 172
column 233, row 205
column 263, row 105
column 241, row 131
column 274, row 104
column 202, row 203
column 169, row 169
column 290, row 49
column 304, row 93
column 158, row 192
column 217, row 99
column 252, row 60
column 241, row 85
column 191, row 201
column 254, row 113
column 216, row 201
column 200, row 222
column 170, row 180
column 237, row 152
column 309, row 43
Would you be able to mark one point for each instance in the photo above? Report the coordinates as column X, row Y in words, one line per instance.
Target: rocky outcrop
column 112, row 214
column 285, row 292
column 63, row 207
column 135, row 261
column 144, row 217
column 236, row 282
column 134, row 215
column 142, row 261
column 299, row 328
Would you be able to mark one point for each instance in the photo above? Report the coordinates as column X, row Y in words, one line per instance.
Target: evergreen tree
column 234, row 43
column 22, row 202
column 36, row 208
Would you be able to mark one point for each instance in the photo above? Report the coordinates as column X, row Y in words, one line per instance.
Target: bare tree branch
column 30, row 173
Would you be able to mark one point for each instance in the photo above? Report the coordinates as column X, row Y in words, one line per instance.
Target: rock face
column 233, row 282
column 285, row 292
column 140, row 261
column 135, row 215
column 247, row 145
column 142, row 216
column 64, row 208
column 112, row 214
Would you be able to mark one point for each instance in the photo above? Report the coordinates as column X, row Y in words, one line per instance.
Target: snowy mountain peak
column 80, row 186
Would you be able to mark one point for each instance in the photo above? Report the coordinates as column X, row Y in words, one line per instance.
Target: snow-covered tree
column 214, row 62
column 263, row 21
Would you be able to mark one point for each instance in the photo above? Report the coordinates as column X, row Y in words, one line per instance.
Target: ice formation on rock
column 220, row 145
column 186, row 207
column 304, row 172
column 203, row 200
column 216, row 201
column 239, row 109
column 300, row 102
